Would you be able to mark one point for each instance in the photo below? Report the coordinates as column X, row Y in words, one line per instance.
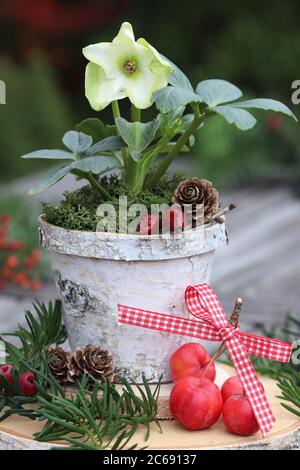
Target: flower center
column 129, row 66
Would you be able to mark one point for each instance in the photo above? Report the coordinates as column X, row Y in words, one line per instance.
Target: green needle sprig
column 104, row 417
column 94, row 417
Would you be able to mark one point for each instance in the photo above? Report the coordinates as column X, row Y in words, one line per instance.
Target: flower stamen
column 129, row 66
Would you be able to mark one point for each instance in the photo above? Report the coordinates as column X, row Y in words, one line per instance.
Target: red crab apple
column 196, row 403
column 238, row 417
column 174, row 220
column 191, row 359
column 149, row 225
column 27, row 384
column 6, row 372
column 232, row 386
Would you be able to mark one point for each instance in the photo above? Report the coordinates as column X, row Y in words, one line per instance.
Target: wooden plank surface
column 16, row 432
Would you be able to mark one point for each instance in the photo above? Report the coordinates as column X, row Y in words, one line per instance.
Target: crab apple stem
column 234, row 320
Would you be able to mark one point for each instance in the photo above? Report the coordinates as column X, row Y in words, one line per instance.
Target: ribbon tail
column 269, row 348
column 251, row 384
column 167, row 323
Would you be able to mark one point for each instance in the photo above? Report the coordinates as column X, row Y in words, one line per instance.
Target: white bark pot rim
column 131, row 247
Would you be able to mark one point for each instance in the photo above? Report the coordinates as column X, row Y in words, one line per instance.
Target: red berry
column 36, row 284
column 6, row 273
column 274, row 122
column 196, row 403
column 27, row 384
column 22, row 280
column 149, row 225
column 36, row 254
column 3, row 234
column 15, row 245
column 6, row 372
column 191, row 359
column 30, row 262
column 4, row 219
column 238, row 417
column 232, row 386
column 174, row 220
column 12, row 261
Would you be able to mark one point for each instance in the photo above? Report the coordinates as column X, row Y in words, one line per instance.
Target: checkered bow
column 213, row 325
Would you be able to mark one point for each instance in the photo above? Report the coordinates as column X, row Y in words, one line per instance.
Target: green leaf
column 95, row 165
column 170, row 98
column 137, row 135
column 177, row 78
column 78, row 142
column 96, row 129
column 50, row 180
column 214, row 92
column 240, row 117
column 109, row 143
column 50, row 155
column 267, row 105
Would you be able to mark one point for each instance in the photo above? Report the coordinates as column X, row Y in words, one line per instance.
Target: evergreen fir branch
column 94, row 422
column 43, row 329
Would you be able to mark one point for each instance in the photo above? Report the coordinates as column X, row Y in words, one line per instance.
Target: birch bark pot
column 94, row 272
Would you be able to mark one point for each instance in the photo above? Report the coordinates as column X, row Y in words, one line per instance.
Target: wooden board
column 16, row 432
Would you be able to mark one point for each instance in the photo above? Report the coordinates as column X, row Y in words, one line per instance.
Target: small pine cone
column 195, row 192
column 75, row 366
column 59, row 364
column 96, row 362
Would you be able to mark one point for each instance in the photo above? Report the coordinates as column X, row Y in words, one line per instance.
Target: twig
column 218, row 216
column 234, row 320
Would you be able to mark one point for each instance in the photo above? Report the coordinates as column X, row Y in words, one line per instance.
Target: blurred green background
column 253, row 44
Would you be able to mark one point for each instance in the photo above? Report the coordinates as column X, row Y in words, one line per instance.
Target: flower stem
column 132, row 165
column 126, row 157
column 145, row 163
column 93, row 181
column 116, row 110
column 135, row 114
column 161, row 170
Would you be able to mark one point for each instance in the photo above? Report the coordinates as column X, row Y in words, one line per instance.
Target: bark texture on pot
column 95, row 272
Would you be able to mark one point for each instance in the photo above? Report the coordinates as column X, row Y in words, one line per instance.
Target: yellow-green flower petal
column 124, row 68
column 125, row 33
column 160, row 60
column 99, row 91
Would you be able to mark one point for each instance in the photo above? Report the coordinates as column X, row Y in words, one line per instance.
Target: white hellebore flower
column 124, row 68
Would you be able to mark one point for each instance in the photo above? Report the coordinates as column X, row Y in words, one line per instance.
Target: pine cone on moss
column 59, row 364
column 94, row 361
column 194, row 191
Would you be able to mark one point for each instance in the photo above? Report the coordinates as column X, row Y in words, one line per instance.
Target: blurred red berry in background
column 21, row 269
column 15, row 245
column 36, row 284
column 12, row 261
column 4, row 219
column 61, row 16
column 274, row 122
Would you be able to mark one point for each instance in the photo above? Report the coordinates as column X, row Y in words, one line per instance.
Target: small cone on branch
column 199, row 196
column 59, row 364
column 94, row 361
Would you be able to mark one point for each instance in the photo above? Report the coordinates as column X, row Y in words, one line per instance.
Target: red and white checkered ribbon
column 213, row 325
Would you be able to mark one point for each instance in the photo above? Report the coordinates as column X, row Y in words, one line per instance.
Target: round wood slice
column 16, row 432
